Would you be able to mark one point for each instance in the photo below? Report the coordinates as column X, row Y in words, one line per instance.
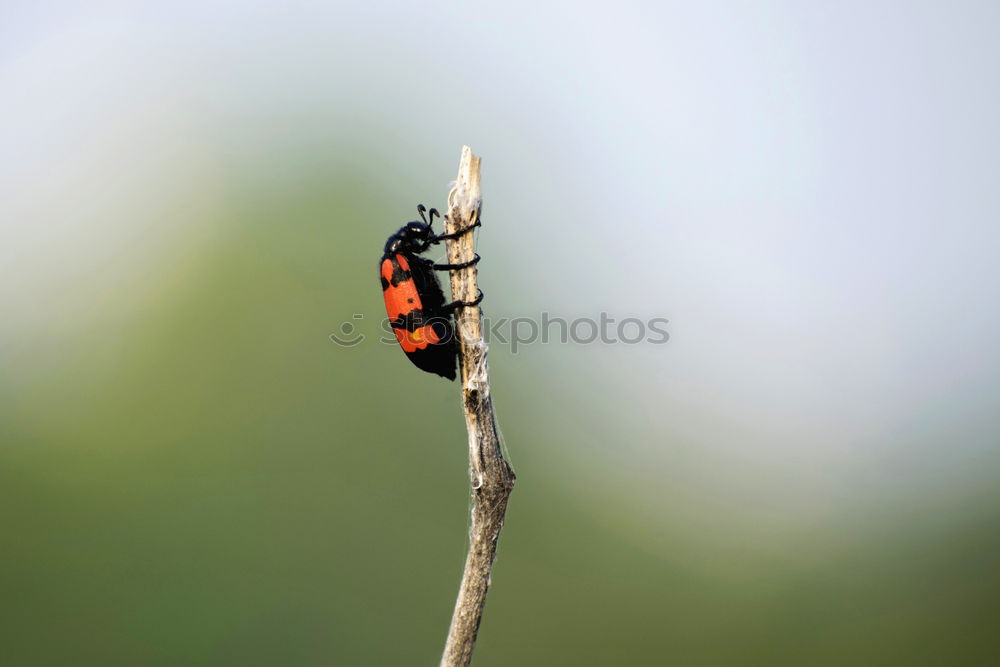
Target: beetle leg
column 455, row 235
column 453, row 267
column 463, row 304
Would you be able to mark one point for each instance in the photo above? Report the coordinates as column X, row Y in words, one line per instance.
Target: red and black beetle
column 414, row 302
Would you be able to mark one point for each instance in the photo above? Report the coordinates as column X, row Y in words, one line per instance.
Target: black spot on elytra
column 398, row 274
column 411, row 321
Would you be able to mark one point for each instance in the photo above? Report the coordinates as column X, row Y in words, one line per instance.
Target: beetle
column 414, row 301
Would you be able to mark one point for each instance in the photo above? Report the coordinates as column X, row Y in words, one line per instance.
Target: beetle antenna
column 421, row 210
column 431, row 214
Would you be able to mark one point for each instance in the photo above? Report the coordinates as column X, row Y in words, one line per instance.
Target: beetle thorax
column 414, row 237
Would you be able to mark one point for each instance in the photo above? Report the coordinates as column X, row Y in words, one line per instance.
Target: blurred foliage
column 207, row 479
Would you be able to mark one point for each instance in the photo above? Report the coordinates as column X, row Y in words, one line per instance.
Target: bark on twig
column 490, row 474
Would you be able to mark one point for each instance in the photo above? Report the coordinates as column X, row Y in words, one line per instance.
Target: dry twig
column 490, row 474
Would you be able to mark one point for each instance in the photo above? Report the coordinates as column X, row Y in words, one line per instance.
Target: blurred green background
column 193, row 198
